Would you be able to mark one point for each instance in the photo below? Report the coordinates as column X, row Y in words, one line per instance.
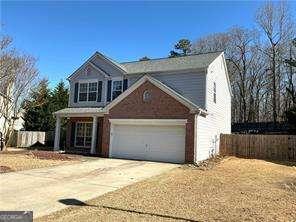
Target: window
column 83, row 92
column 214, row 93
column 92, row 91
column 88, row 91
column 83, row 134
column 116, row 89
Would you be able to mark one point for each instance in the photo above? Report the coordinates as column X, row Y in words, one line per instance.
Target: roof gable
column 102, row 64
column 192, row 107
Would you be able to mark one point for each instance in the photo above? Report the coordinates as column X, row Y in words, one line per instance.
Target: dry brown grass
column 25, row 160
column 234, row 190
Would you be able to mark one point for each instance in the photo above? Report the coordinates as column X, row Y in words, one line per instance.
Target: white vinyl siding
column 218, row 120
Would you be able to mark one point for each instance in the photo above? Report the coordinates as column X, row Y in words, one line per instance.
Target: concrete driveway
column 42, row 190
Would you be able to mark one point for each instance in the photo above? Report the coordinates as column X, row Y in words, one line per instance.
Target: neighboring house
column 169, row 109
column 7, row 111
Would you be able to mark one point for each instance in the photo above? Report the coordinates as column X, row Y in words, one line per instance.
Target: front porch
column 83, row 132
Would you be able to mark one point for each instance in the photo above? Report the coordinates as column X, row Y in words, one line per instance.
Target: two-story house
column 168, row 109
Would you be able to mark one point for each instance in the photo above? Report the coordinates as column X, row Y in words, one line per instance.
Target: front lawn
column 234, row 190
column 11, row 161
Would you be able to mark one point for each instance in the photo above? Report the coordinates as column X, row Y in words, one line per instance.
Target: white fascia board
column 83, row 65
column 101, row 114
column 156, row 122
column 227, row 74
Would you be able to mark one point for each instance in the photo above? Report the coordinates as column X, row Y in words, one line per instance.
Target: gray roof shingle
column 171, row 64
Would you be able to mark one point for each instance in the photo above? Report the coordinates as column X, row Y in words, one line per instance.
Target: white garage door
column 148, row 142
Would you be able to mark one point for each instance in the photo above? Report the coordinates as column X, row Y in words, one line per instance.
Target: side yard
column 11, row 161
column 233, row 190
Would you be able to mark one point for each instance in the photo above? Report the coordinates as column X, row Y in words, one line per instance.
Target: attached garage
column 148, row 139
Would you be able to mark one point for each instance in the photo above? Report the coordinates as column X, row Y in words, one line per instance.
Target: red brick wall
column 161, row 106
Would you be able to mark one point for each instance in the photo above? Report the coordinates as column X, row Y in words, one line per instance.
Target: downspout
column 195, row 135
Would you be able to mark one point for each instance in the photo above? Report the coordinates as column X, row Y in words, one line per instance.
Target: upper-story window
column 214, row 93
column 116, row 88
column 88, row 91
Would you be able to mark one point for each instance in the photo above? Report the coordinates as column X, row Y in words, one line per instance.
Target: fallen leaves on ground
column 24, row 160
column 233, row 190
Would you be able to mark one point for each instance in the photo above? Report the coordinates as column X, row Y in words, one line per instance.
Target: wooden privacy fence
column 274, row 147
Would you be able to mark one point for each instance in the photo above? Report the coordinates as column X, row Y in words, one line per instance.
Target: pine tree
column 37, row 113
column 59, row 97
column 183, row 47
column 58, row 100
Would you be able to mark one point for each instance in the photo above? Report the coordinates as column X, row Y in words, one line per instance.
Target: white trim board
column 157, row 122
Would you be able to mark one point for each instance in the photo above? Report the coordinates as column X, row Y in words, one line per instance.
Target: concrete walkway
column 42, row 189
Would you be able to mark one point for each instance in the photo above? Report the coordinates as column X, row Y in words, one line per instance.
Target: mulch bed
column 46, row 155
column 52, row 155
column 5, row 169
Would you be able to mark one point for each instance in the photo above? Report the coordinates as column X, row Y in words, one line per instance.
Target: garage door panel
column 156, row 143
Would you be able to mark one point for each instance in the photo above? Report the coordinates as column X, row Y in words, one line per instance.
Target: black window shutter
column 99, row 99
column 76, row 92
column 125, row 83
column 73, row 125
column 109, row 90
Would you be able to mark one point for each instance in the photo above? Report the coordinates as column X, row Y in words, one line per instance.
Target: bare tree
column 211, row 43
column 245, row 68
column 17, row 73
column 256, row 60
column 276, row 23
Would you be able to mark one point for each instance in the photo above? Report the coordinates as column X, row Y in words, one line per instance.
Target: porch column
column 57, row 134
column 94, row 135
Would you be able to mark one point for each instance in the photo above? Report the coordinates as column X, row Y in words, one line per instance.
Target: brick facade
column 161, row 106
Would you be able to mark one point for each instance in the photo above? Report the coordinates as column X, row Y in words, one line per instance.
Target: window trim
column 84, row 135
column 87, row 91
column 113, row 80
